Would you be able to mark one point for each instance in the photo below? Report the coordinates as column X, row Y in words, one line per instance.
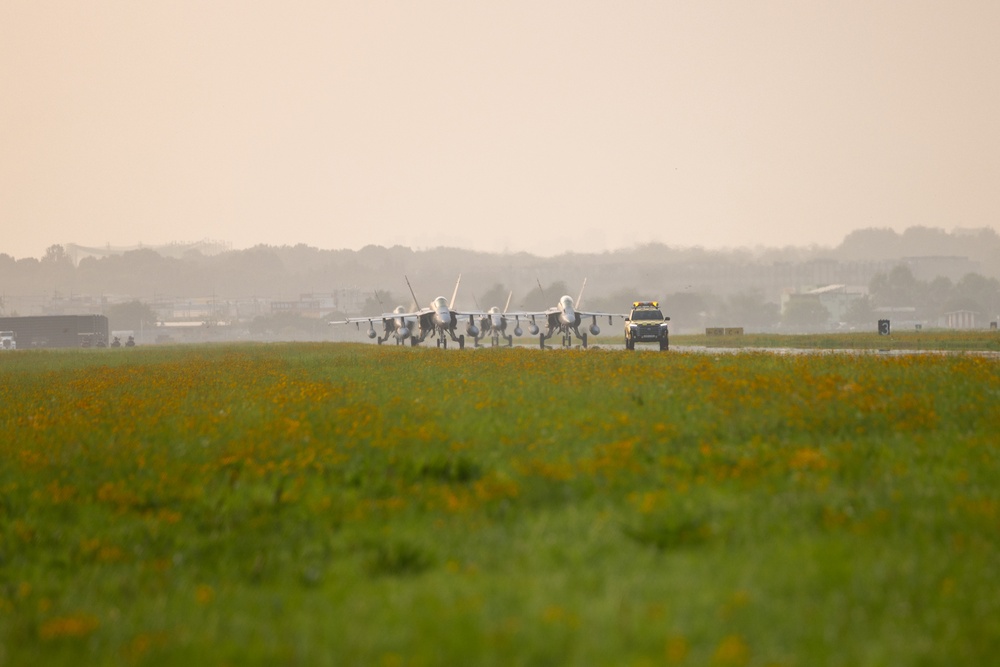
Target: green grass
column 983, row 340
column 330, row 504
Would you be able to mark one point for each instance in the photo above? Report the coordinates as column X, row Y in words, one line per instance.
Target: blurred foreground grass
column 933, row 339
column 355, row 504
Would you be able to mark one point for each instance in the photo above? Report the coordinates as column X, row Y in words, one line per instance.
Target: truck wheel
column 664, row 344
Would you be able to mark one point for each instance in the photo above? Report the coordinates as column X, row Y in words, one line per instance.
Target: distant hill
column 650, row 271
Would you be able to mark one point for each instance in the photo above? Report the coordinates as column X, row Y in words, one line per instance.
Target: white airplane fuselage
column 566, row 315
column 494, row 323
column 439, row 320
column 442, row 314
column 496, row 319
column 566, row 319
column 403, row 326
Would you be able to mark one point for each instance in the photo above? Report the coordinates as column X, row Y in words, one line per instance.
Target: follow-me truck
column 646, row 324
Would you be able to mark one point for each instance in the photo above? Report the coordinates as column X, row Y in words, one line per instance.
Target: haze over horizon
column 543, row 127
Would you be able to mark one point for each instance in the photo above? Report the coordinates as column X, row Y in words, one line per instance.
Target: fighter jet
column 441, row 319
column 494, row 323
column 399, row 324
column 565, row 318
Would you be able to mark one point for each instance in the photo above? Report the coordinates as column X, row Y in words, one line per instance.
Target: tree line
column 145, row 277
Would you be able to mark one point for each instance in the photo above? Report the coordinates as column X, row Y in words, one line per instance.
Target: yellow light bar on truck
column 645, row 304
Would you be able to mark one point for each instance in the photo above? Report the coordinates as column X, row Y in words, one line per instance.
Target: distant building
column 835, row 298
column 345, row 300
column 961, row 319
column 203, row 309
column 838, row 298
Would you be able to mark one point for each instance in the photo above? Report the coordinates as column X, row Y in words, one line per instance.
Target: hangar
column 57, row 330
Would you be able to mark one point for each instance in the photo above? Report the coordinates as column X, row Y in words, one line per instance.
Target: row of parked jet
column 442, row 321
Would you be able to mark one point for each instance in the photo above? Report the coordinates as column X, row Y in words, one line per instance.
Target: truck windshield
column 647, row 315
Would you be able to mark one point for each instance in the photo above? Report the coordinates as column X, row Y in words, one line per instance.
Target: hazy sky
column 502, row 125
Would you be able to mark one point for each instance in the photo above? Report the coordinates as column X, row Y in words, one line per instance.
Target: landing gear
column 583, row 340
column 541, row 341
column 442, row 341
column 629, row 344
column 510, row 341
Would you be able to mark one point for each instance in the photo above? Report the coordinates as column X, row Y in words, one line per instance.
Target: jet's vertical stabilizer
column 451, row 306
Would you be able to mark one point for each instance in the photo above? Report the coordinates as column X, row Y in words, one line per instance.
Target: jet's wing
column 392, row 315
column 466, row 313
column 537, row 317
column 530, row 313
column 467, row 317
column 591, row 313
column 384, row 317
column 371, row 318
column 416, row 314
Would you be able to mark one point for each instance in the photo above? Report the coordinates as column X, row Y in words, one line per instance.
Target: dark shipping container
column 58, row 330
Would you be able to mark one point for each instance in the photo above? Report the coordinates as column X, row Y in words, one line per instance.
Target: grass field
column 342, row 504
column 932, row 339
column 981, row 340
